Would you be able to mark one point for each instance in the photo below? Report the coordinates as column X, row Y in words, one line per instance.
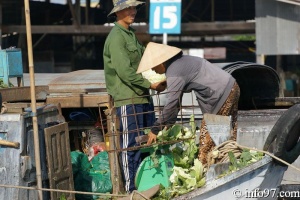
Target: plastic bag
column 91, row 176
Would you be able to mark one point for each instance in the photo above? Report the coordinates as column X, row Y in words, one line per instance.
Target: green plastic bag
column 93, row 176
column 79, row 162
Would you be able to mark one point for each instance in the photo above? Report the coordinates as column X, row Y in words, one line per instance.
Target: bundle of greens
column 188, row 171
column 247, row 157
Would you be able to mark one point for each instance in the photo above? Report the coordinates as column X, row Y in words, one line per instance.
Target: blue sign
column 165, row 17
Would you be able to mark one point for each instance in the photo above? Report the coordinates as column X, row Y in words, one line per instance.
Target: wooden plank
column 277, row 102
column 41, row 79
column 218, row 28
column 58, row 29
column 199, row 29
column 18, row 107
column 79, row 100
column 17, row 94
column 22, row 105
column 59, row 160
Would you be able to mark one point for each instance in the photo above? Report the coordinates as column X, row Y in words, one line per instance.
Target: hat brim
column 156, row 54
column 124, row 5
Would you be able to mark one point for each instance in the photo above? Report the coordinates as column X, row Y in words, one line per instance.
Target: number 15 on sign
column 165, row 16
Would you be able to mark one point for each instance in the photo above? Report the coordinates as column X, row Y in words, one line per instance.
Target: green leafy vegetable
column 3, row 85
column 188, row 172
column 247, row 157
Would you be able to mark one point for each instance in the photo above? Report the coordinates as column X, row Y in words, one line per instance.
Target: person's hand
column 159, row 86
column 151, row 138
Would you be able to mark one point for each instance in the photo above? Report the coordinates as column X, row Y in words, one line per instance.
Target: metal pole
column 165, row 38
column 1, row 24
column 87, row 11
column 260, row 59
column 33, row 101
column 212, row 10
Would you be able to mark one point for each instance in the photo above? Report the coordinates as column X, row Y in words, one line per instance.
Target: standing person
column 122, row 54
column 216, row 90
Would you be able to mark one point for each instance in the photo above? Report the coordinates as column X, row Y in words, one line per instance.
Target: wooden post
column 212, row 10
column 33, row 101
column 281, row 74
column 74, row 16
column 1, row 24
column 114, row 144
column 87, row 11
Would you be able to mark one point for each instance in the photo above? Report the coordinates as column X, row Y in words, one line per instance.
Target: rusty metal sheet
column 84, row 81
column 15, row 94
column 59, row 160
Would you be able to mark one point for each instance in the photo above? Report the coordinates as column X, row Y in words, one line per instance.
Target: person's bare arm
column 159, row 86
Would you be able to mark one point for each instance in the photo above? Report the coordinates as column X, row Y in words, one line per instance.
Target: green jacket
column 121, row 55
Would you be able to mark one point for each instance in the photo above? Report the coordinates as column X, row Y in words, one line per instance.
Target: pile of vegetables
column 188, row 171
column 153, row 77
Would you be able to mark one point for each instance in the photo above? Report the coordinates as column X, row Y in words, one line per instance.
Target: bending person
column 216, row 91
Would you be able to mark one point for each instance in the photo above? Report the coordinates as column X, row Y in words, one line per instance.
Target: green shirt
column 121, row 55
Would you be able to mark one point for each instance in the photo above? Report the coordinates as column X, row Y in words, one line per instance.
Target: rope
column 135, row 191
column 62, row 191
column 220, row 153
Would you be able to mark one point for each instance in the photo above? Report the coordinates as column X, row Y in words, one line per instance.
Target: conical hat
column 122, row 4
column 156, row 54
